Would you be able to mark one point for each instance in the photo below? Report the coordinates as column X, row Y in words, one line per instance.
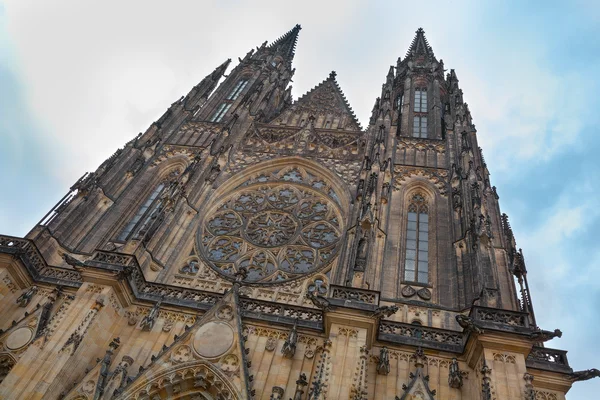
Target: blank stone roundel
column 18, row 338
column 213, row 339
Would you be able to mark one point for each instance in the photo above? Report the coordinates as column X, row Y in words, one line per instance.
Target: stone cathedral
column 252, row 246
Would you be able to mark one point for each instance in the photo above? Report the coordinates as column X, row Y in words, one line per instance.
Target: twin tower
column 252, row 246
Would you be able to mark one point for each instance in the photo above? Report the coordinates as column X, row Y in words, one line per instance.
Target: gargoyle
column 541, row 335
column 319, row 301
column 73, row 262
column 584, row 375
column 384, row 311
column 468, row 324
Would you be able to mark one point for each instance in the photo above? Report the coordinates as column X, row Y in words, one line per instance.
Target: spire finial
column 332, row 75
column 286, row 44
column 419, row 45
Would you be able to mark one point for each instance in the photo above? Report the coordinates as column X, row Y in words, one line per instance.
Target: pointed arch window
column 416, row 264
column 420, row 116
column 421, row 100
column 144, row 212
column 237, row 89
column 231, row 97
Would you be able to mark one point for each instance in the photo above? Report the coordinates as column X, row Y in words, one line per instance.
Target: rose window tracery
column 278, row 226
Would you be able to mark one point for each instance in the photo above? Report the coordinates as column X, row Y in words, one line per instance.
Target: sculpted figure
column 25, row 297
column 455, row 379
column 148, row 320
column 289, row 347
column 383, row 366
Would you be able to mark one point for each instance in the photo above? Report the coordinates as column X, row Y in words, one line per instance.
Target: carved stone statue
column 319, row 301
column 149, row 320
column 289, row 346
column 468, row 324
column 455, row 379
column 25, row 297
column 383, row 366
column 578, row 376
column 385, row 311
column 361, row 253
column 541, row 335
column 301, row 383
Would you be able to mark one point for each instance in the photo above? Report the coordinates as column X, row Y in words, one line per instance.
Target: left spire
column 286, row 44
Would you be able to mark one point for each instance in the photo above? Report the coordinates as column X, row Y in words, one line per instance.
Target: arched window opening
column 143, row 213
column 231, row 97
column 416, row 265
column 237, row 89
column 420, row 110
column 420, row 100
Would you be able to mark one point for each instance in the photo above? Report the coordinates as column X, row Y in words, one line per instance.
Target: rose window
column 276, row 230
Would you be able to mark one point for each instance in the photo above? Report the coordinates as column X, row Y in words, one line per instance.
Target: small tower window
column 420, row 127
column 416, row 265
column 220, row 113
column 146, row 209
column 231, row 97
column 421, row 100
column 237, row 89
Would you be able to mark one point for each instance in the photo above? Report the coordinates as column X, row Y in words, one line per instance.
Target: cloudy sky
column 78, row 79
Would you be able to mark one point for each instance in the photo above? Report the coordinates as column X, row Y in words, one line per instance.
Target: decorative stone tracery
column 278, row 225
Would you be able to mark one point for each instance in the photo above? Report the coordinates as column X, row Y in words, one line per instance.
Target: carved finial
column 332, row 75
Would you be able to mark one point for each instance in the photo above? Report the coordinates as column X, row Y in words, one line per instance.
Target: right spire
column 419, row 45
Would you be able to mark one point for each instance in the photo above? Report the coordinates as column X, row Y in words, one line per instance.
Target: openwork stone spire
column 286, row 44
column 420, row 45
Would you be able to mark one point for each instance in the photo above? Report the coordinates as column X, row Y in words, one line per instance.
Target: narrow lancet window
column 220, row 113
column 416, row 265
column 421, row 100
column 237, row 89
column 420, row 110
column 145, row 209
column 420, row 127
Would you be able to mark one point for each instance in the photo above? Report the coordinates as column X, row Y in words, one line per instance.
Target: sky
column 78, row 79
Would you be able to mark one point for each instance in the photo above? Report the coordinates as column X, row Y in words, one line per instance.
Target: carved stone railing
column 548, row 359
column 35, row 264
column 439, row 339
column 278, row 312
column 345, row 295
column 503, row 320
column 107, row 257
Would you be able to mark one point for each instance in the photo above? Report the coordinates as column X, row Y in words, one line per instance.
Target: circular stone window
column 276, row 230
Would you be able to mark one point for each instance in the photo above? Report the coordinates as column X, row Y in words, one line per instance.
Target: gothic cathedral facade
column 249, row 246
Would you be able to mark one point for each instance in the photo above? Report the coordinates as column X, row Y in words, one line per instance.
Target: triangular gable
column 327, row 97
column 208, row 358
column 418, row 388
